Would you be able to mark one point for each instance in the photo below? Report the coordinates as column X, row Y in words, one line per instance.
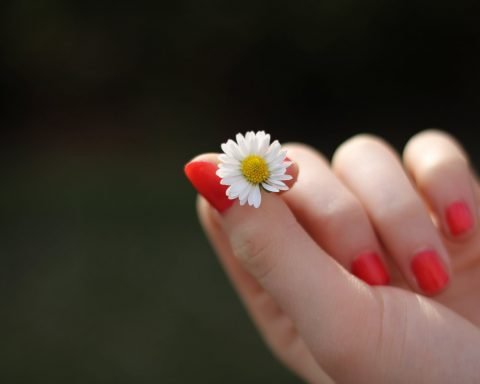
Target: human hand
column 291, row 261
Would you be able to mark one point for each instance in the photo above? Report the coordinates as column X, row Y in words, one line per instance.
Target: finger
column 372, row 171
column 306, row 283
column 334, row 217
column 441, row 171
column 276, row 328
column 201, row 173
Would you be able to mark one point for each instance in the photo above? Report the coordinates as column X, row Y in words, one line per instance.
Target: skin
column 289, row 262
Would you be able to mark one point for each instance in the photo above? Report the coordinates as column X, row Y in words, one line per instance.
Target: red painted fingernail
column 204, row 179
column 429, row 271
column 369, row 267
column 459, row 218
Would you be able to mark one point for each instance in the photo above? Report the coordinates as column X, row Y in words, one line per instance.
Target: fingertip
column 441, row 171
column 202, row 174
column 431, row 272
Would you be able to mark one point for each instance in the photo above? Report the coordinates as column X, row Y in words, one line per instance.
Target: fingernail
column 459, row 218
column 369, row 267
column 204, row 179
column 429, row 272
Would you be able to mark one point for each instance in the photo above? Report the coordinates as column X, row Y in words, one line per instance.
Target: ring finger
column 396, row 210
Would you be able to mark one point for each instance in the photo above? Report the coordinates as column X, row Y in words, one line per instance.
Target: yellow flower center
column 255, row 169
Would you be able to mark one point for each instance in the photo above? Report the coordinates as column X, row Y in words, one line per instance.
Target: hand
column 299, row 262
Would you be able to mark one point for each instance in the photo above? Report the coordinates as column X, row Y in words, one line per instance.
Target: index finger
column 323, row 299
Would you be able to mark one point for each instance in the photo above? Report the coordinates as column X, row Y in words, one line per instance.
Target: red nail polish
column 429, row 271
column 204, row 179
column 459, row 218
column 369, row 267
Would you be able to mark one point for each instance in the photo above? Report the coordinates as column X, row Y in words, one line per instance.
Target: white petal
column 235, row 189
column 260, row 134
column 280, row 177
column 274, row 175
column 276, row 183
column 231, row 180
column 263, row 145
column 250, row 136
column 242, row 144
column 226, row 148
column 243, row 201
column 275, row 146
column 256, row 145
column 237, row 152
column 282, row 154
column 278, row 158
column 269, row 187
column 244, row 194
column 225, row 172
column 245, row 191
column 229, row 193
column 272, row 151
column 280, row 164
column 258, row 140
column 256, row 197
column 232, row 150
column 230, row 167
column 250, row 139
column 226, row 159
column 220, row 172
column 279, row 184
column 250, row 197
column 277, row 168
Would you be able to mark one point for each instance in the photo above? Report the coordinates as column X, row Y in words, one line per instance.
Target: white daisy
column 250, row 163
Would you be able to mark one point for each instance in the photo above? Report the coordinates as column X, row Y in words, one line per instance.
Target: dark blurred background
column 105, row 275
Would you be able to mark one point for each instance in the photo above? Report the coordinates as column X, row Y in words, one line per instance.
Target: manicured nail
column 204, row 179
column 429, row 272
column 459, row 218
column 369, row 267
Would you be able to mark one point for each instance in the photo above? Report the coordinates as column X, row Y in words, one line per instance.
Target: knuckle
column 400, row 211
column 255, row 250
column 335, row 214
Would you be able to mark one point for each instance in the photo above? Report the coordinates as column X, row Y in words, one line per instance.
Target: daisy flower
column 252, row 163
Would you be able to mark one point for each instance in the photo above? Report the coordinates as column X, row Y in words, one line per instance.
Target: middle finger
column 375, row 175
column 334, row 217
